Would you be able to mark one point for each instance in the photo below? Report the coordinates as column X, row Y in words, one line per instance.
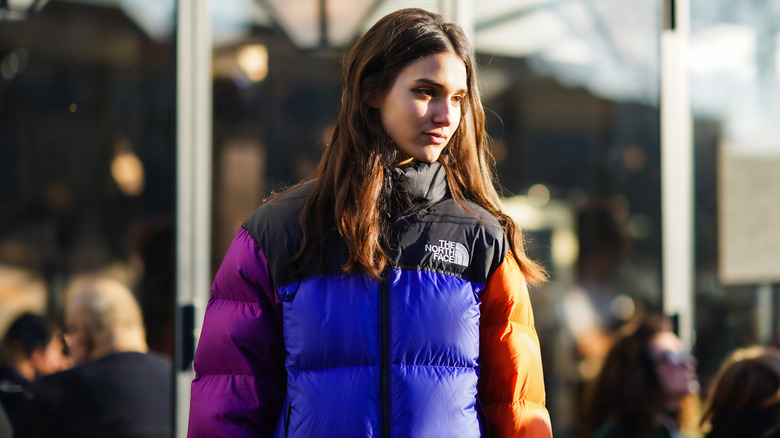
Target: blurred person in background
column 744, row 399
column 32, row 347
column 646, row 387
column 116, row 388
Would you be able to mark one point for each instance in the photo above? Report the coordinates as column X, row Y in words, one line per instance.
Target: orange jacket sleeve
column 511, row 382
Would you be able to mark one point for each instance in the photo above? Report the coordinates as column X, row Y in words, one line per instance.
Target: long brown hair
column 627, row 390
column 346, row 197
column 750, row 377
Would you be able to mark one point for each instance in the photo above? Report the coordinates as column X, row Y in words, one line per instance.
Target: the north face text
column 450, row 252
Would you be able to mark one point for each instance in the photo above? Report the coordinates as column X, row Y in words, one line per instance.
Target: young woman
column 387, row 295
column 745, row 397
column 643, row 386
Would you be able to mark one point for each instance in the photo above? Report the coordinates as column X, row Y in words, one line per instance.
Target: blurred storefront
column 636, row 142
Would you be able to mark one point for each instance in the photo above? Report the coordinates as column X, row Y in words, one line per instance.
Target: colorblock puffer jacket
column 443, row 346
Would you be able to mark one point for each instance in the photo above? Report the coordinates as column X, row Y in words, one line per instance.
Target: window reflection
column 609, row 47
column 87, row 156
column 734, row 98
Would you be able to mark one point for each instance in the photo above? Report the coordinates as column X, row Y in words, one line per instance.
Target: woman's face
column 422, row 109
column 674, row 366
column 51, row 359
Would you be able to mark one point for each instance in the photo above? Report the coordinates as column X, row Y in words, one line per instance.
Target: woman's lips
column 435, row 137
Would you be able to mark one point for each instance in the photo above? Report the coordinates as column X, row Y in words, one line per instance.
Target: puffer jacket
column 443, row 345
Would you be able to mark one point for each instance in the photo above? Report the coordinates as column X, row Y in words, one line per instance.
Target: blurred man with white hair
column 117, row 387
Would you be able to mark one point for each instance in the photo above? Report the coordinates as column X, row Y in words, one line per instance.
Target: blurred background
column 137, row 135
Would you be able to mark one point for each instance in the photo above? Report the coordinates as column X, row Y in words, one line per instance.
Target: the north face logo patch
column 450, row 252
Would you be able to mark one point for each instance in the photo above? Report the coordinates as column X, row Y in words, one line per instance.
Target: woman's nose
column 444, row 114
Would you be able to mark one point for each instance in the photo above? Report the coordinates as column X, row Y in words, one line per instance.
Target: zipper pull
column 388, row 190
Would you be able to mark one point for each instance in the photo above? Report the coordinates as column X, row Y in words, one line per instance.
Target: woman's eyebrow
column 433, row 83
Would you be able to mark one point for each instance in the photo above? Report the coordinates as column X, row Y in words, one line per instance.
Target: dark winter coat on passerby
column 664, row 430
column 6, row 431
column 746, row 423
column 12, row 388
column 121, row 395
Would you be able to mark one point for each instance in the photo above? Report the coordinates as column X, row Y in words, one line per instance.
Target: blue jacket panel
column 333, row 341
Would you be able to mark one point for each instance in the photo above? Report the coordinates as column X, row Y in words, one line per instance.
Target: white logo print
column 450, row 252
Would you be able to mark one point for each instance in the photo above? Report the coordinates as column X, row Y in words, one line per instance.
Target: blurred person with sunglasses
column 643, row 385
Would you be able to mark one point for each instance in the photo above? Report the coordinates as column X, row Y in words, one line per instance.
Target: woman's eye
column 457, row 99
column 424, row 91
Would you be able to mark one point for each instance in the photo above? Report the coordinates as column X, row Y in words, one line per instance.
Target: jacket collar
column 417, row 186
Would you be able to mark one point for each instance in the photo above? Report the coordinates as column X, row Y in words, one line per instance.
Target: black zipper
column 384, row 309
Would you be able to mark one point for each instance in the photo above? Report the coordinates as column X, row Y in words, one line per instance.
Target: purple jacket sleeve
column 240, row 381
